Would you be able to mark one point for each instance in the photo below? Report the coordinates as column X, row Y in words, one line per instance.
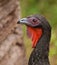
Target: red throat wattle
column 34, row 34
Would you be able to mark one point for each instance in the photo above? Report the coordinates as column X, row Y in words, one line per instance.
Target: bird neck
column 39, row 55
column 43, row 44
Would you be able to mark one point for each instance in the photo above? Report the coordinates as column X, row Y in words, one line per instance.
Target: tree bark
column 12, row 51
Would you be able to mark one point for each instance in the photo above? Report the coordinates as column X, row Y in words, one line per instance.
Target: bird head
column 36, row 25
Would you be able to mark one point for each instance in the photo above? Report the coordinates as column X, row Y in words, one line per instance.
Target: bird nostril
column 22, row 20
column 18, row 22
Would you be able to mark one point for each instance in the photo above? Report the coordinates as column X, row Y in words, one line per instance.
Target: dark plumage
column 39, row 55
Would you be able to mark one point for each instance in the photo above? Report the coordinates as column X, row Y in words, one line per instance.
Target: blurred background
column 48, row 8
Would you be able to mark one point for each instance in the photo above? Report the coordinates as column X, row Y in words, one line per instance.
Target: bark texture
column 12, row 50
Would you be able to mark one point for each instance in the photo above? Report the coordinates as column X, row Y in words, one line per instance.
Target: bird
column 39, row 31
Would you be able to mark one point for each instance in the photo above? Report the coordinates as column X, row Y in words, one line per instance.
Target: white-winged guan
column 39, row 30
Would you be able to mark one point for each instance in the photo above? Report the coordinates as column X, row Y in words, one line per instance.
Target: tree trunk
column 12, row 51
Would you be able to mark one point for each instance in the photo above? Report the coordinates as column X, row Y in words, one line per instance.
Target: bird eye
column 34, row 20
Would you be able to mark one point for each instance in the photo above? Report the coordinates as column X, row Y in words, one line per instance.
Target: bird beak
column 23, row 21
